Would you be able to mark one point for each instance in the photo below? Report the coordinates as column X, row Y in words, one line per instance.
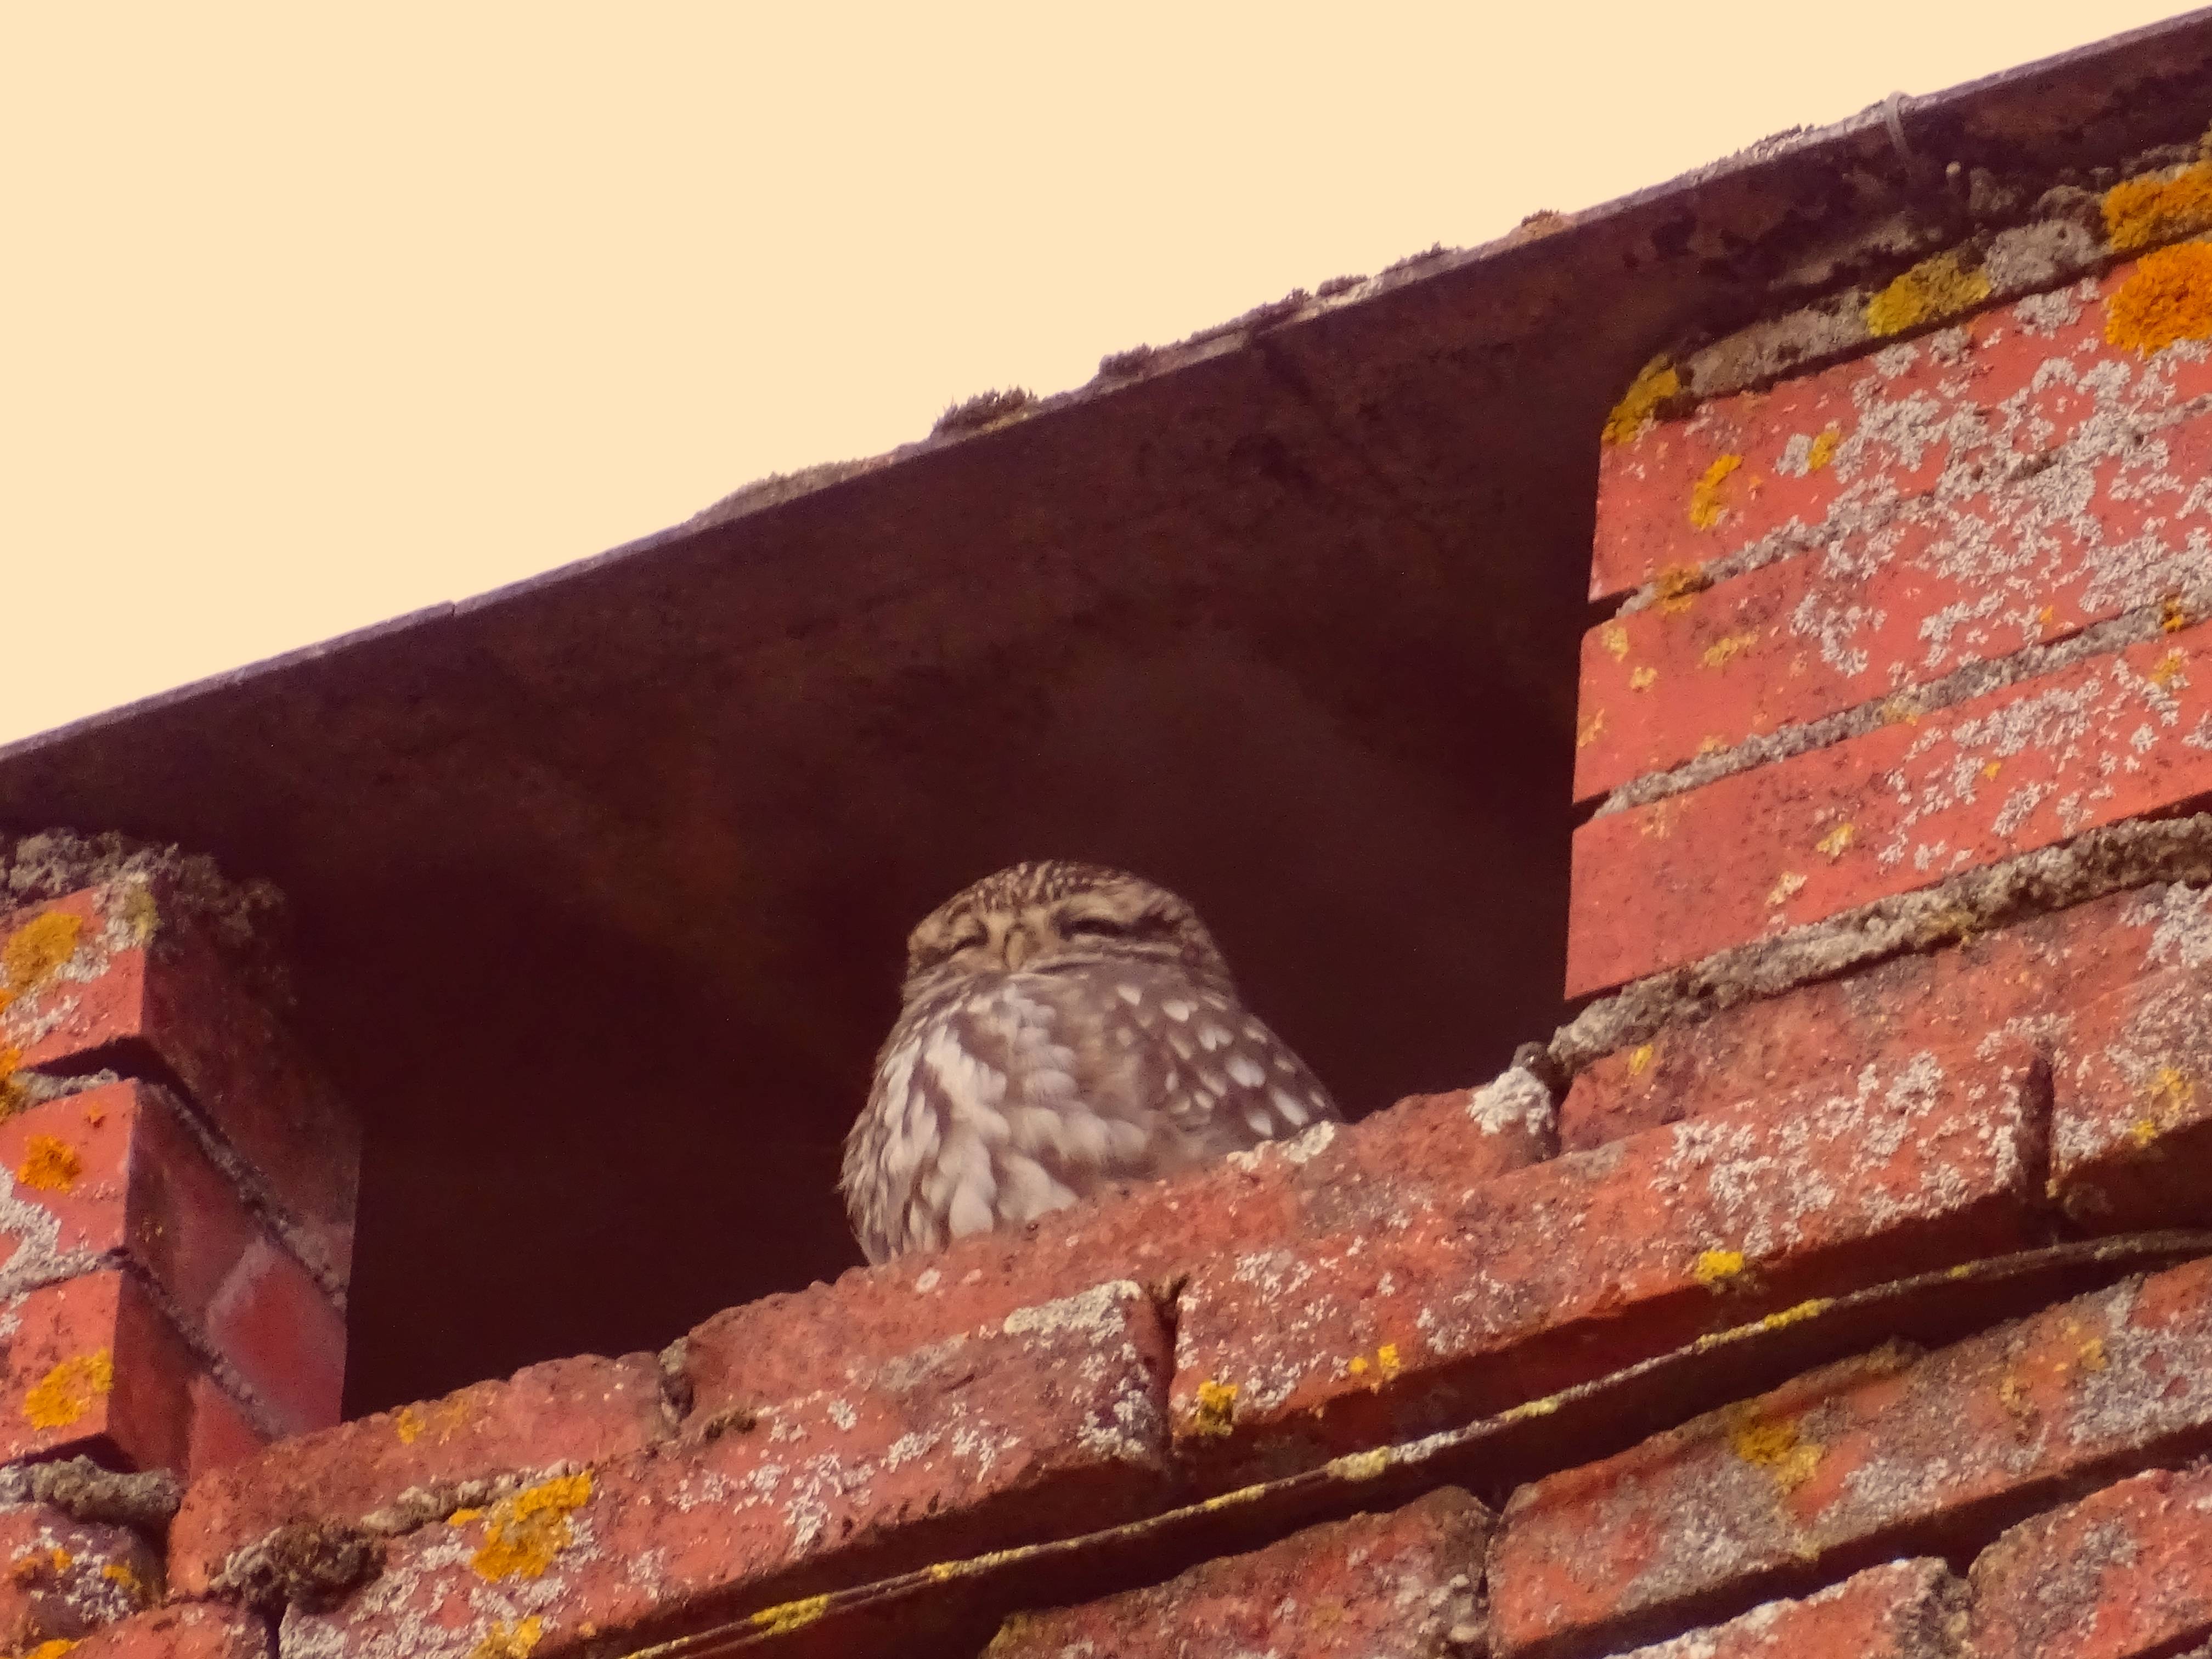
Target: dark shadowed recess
column 602, row 878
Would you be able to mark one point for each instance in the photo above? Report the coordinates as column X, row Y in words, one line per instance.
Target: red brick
column 92, row 1364
column 581, row 1411
column 1407, row 1584
column 2121, row 1575
column 60, row 1579
column 1881, row 1454
column 146, row 992
column 1575, row 1267
column 1044, row 1424
column 1905, row 1610
column 1417, row 1155
column 1963, row 577
column 190, row 1631
column 1953, row 411
column 2028, row 979
column 113, row 1172
column 1898, row 808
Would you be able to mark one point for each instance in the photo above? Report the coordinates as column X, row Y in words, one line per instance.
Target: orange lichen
column 1822, row 449
column 1706, row 501
column 52, row 1650
column 2173, row 614
column 2167, row 299
column 1658, row 381
column 13, row 1097
column 129, row 1583
column 407, row 1422
column 1932, row 289
column 524, row 1533
column 2167, row 669
column 515, row 1642
column 67, row 1392
column 1775, row 1446
column 50, row 1164
column 2141, row 213
column 1676, row 585
column 1216, row 1412
column 1722, row 651
column 39, row 949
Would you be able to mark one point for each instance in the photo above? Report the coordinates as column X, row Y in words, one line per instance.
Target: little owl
column 1064, row 1027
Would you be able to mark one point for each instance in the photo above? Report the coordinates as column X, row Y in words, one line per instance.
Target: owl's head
column 1049, row 914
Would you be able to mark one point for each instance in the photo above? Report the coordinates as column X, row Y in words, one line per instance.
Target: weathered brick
column 1042, row 1425
column 142, row 988
column 1288, row 1355
column 1955, row 416
column 1417, row 1156
column 1903, row 1610
column 575, row 1412
column 60, row 1579
column 1898, row 808
column 2121, row 1575
column 114, row 1173
column 1405, row 1583
column 193, row 1630
column 1885, row 1454
column 92, row 1364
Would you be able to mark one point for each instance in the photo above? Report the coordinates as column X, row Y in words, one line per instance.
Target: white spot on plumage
column 1175, row 1009
column 1129, row 993
column 1211, row 1038
column 1246, row 1071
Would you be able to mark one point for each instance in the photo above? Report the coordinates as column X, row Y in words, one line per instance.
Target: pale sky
column 311, row 314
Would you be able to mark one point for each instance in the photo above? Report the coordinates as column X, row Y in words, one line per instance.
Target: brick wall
column 1830, row 1285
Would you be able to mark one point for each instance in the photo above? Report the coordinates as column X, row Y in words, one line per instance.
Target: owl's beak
column 1017, row 948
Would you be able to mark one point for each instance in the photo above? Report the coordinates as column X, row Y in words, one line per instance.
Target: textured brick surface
column 2032, row 979
column 1899, row 808
column 201, row 1632
column 2132, row 1139
column 90, row 1364
column 1405, row 1585
column 1045, row 1424
column 1417, row 1158
column 1905, row 1610
column 1882, row 1454
column 143, row 990
column 1928, row 434
column 113, row 1172
column 2063, row 491
column 1573, row 1268
column 581, row 1411
column 60, row 1579
column 2125, row 1573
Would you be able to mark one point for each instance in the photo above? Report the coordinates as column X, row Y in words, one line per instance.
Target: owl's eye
column 1099, row 927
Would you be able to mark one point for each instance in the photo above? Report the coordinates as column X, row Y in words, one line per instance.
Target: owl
column 1064, row 1027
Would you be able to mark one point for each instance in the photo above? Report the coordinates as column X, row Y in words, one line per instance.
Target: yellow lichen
column 1786, row 887
column 1990, row 768
column 13, row 1097
column 67, row 1391
column 1216, row 1411
column 2167, row 300
column 1642, row 678
column 1721, row 651
column 1706, row 501
column 1713, row 1268
column 1775, row 1446
column 524, row 1533
column 1658, row 381
column 1614, row 638
column 2091, row 1354
column 407, row 1422
column 2167, row 669
column 50, row 1163
column 2143, row 1131
column 2173, row 616
column 118, row 1574
column 2140, row 213
column 1640, row 1058
column 1932, row 289
column 787, row 1616
column 1838, row 840
column 1386, row 1360
column 1822, row 450
column 518, row 1641
column 1361, row 1466
column 462, row 1517
column 1544, row 1407
column 1590, row 729
column 53, row 1649
column 39, row 949
column 1812, row 1307
column 1677, row 584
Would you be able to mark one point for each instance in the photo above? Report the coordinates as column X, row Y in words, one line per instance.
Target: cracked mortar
column 2134, row 854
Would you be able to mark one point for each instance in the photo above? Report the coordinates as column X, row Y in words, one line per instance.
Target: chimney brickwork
column 1827, row 1286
